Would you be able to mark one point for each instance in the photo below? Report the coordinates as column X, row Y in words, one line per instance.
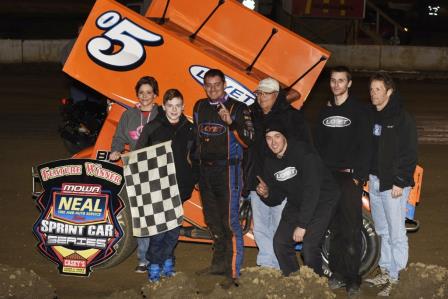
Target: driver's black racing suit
column 220, row 151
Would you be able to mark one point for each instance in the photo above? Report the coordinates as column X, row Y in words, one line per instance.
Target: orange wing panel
column 114, row 37
column 241, row 33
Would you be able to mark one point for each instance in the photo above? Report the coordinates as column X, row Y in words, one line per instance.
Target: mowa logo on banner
column 78, row 226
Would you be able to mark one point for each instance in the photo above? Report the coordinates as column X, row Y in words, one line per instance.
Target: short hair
column 342, row 69
column 151, row 81
column 171, row 94
column 385, row 78
column 215, row 73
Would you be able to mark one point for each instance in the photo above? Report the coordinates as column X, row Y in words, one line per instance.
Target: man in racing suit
column 223, row 127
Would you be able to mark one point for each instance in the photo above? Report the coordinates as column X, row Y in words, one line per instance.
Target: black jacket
column 181, row 134
column 215, row 140
column 301, row 177
column 395, row 145
column 343, row 137
column 294, row 122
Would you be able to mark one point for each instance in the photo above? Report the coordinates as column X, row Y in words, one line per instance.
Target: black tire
column 370, row 251
column 371, row 246
column 126, row 246
column 72, row 148
column 75, row 144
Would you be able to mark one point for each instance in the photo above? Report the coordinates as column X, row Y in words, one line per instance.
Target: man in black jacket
column 294, row 170
column 223, row 129
column 344, row 142
column 391, row 178
column 271, row 102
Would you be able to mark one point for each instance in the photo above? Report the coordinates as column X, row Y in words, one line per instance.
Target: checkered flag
column 152, row 190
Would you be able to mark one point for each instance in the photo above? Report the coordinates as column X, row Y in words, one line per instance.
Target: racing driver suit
column 220, row 151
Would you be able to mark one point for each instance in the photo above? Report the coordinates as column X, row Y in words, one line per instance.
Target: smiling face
column 276, row 142
column 379, row 95
column 339, row 84
column 146, row 96
column 173, row 109
column 214, row 87
column 266, row 100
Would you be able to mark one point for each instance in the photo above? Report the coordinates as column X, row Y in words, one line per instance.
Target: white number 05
column 121, row 47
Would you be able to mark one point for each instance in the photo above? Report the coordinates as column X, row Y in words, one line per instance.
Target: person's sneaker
column 140, row 269
column 380, row 279
column 154, row 271
column 168, row 268
column 334, row 283
column 387, row 289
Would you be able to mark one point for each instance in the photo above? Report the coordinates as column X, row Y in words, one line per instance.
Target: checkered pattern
column 152, row 190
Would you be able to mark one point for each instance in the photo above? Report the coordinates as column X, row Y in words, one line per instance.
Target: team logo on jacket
column 211, row 129
column 377, row 130
column 336, row 121
column 285, row 174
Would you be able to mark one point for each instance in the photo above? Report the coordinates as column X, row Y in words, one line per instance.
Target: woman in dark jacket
column 169, row 125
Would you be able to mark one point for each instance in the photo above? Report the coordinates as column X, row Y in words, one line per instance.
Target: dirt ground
column 29, row 119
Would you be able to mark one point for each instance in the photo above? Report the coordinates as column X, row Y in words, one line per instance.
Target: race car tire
column 370, row 250
column 127, row 244
column 73, row 148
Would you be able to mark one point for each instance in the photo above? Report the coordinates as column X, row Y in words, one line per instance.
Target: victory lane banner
column 78, row 226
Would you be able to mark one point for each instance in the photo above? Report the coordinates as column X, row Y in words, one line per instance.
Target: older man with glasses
column 271, row 102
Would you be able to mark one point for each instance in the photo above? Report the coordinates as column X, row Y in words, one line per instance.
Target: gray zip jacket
column 130, row 127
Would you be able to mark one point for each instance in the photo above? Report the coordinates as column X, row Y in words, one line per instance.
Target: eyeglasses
column 263, row 94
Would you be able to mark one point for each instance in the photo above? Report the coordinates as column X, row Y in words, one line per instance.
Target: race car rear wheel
column 370, row 250
column 126, row 246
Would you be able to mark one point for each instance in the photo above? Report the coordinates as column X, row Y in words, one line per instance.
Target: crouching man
column 296, row 172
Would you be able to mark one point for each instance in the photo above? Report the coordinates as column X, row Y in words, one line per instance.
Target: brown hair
column 385, row 78
column 171, row 94
column 342, row 69
column 151, row 81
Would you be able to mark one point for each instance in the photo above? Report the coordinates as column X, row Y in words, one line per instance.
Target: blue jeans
column 162, row 246
column 142, row 248
column 389, row 215
column 266, row 220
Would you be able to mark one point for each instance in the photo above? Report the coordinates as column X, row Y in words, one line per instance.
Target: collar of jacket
column 161, row 117
column 346, row 102
column 392, row 108
column 222, row 100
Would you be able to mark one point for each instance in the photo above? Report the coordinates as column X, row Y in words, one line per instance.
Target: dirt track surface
column 29, row 119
